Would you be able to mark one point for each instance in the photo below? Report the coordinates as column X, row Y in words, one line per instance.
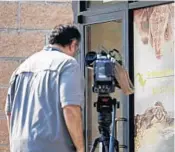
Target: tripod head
column 104, row 106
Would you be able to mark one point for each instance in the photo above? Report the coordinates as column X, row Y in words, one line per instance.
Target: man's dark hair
column 64, row 35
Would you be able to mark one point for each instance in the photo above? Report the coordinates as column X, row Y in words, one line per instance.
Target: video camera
column 104, row 70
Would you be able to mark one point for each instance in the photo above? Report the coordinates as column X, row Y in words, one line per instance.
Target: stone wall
column 24, row 29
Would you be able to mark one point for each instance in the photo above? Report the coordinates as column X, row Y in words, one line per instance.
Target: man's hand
column 73, row 119
column 81, row 150
column 8, row 122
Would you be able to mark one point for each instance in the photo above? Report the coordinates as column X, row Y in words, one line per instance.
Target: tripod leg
column 94, row 145
column 116, row 145
column 106, row 148
column 105, row 145
column 116, row 148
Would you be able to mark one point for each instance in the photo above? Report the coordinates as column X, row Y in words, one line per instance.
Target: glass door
column 107, row 31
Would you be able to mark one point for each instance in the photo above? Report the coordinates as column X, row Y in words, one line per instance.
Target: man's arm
column 73, row 119
column 8, row 122
column 8, row 106
column 9, row 99
column 72, row 101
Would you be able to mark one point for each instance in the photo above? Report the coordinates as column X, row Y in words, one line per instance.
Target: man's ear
column 74, row 42
column 70, row 46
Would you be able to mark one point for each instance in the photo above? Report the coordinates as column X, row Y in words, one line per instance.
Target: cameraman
column 45, row 98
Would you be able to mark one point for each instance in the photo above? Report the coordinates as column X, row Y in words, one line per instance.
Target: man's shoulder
column 47, row 60
column 56, row 56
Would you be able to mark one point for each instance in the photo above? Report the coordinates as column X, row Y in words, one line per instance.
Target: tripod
column 105, row 105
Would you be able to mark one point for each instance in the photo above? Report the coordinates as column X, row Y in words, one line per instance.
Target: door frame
column 125, row 136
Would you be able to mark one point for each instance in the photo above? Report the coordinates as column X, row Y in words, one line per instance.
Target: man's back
column 37, row 122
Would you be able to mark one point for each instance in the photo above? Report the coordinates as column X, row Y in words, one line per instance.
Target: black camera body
column 104, row 71
column 104, row 74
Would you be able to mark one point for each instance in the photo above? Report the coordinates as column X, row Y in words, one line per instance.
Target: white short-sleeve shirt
column 39, row 89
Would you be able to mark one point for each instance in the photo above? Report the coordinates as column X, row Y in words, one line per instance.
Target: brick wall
column 24, row 28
